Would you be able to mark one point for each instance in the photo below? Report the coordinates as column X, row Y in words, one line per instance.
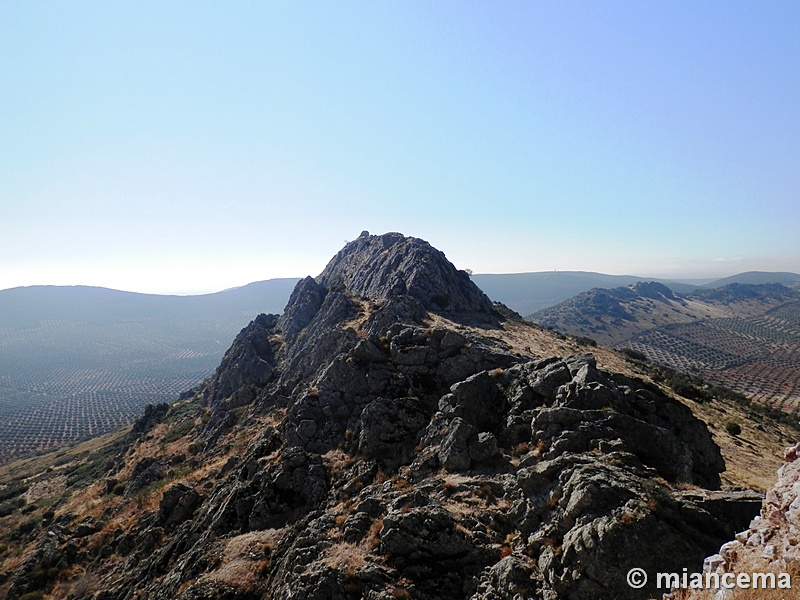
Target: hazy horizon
column 188, row 148
column 201, row 292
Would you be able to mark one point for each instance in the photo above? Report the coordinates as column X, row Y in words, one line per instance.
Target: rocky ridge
column 352, row 449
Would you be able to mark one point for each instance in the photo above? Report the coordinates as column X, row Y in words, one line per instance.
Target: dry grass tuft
column 245, row 561
column 338, row 461
column 346, row 556
column 752, row 563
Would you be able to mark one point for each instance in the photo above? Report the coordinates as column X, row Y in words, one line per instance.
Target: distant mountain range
column 78, row 361
column 791, row 280
column 527, row 293
column 741, row 335
column 25, row 306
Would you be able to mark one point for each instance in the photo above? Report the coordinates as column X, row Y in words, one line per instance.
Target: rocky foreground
column 381, row 440
column 769, row 546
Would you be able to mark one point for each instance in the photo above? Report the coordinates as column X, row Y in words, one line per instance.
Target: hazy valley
column 81, row 361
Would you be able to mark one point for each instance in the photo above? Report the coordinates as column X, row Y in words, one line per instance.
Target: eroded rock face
column 392, row 265
column 177, row 504
column 246, row 367
column 770, row 544
column 420, row 461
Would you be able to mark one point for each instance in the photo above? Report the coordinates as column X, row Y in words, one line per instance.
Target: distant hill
column 79, row 361
column 26, row 306
column 743, row 336
column 758, row 277
column 527, row 293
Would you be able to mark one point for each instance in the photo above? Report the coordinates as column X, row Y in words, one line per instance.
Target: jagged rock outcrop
column 391, row 266
column 381, row 454
column 247, row 366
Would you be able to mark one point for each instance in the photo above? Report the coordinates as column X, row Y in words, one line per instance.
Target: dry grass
column 471, row 502
column 88, row 502
column 243, row 575
column 372, row 538
column 245, row 560
column 753, row 457
column 756, row 565
column 507, row 547
column 346, row 556
column 32, row 466
column 338, row 461
column 47, row 488
column 253, row 545
column 78, row 585
column 364, row 310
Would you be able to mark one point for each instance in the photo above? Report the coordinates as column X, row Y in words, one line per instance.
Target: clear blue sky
column 186, row 147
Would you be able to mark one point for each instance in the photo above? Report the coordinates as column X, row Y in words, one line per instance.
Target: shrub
column 178, row 431
column 6, row 508
column 28, row 526
column 634, row 354
column 13, row 491
column 582, row 340
column 733, row 428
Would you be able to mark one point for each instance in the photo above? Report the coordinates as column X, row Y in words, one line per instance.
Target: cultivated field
column 62, row 380
column 759, row 356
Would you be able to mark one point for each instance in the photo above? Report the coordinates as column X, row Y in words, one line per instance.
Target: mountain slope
column 80, row 361
column 743, row 336
column 768, row 546
column 391, row 435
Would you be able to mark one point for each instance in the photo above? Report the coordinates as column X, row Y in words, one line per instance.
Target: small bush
column 28, row 526
column 634, row 354
column 733, row 428
column 178, row 431
column 13, row 491
column 582, row 340
column 6, row 508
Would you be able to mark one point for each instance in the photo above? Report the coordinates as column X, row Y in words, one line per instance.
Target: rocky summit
column 388, row 437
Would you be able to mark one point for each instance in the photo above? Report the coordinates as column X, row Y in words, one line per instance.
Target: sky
column 188, row 147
